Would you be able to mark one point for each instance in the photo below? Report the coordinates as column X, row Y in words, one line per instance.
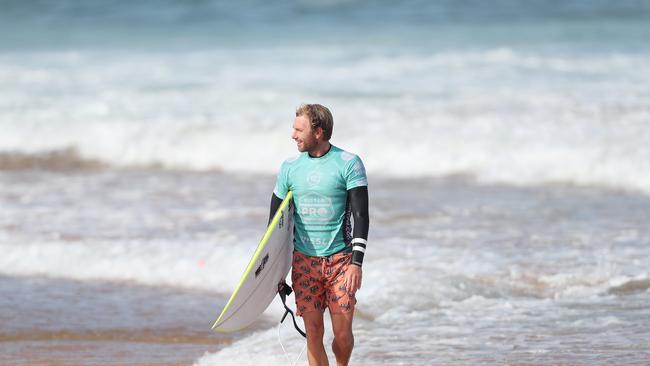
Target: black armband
column 358, row 250
column 358, row 198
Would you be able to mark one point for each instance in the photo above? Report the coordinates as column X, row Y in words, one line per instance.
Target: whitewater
column 507, row 147
column 497, row 115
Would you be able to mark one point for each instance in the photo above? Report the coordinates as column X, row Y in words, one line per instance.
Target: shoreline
column 69, row 322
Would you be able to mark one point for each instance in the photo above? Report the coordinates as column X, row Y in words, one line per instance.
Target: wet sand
column 60, row 322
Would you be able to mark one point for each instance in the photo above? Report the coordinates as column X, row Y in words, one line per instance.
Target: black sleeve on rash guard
column 275, row 204
column 359, row 205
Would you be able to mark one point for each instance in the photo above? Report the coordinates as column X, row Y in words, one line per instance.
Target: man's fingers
column 353, row 283
column 348, row 281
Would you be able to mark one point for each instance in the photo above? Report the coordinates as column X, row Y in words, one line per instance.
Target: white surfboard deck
column 268, row 267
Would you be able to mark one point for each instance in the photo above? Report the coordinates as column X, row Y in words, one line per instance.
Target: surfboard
column 269, row 265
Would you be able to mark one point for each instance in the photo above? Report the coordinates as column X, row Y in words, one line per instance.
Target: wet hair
column 318, row 116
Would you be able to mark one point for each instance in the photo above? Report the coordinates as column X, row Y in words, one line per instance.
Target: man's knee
column 315, row 330
column 314, row 327
column 344, row 337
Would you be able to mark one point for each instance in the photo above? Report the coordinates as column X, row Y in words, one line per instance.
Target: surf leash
column 292, row 363
column 284, row 290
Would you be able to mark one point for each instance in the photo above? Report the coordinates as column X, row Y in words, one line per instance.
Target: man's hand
column 353, row 278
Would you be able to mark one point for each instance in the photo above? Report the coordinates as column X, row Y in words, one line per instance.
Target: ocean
column 507, row 145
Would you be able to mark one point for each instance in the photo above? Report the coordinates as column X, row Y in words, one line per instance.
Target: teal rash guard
column 320, row 185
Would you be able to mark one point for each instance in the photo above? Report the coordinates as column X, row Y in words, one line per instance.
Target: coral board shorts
column 318, row 283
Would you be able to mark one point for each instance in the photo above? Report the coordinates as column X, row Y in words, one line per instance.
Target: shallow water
column 64, row 322
column 458, row 273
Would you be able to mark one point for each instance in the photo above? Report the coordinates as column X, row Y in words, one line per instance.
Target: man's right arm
column 275, row 204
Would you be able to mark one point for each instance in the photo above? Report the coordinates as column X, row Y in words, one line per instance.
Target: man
column 330, row 192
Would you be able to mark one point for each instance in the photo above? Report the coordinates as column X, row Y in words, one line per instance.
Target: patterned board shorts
column 318, row 283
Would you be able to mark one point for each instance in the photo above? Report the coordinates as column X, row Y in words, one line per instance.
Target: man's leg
column 343, row 338
column 315, row 329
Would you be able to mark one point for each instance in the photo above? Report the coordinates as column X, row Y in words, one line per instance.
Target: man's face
column 303, row 134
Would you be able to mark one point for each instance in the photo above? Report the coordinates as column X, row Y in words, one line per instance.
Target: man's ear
column 318, row 132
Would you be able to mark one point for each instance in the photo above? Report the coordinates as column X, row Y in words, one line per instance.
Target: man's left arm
column 359, row 205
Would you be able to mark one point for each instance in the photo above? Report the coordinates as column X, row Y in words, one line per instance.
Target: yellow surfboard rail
column 251, row 264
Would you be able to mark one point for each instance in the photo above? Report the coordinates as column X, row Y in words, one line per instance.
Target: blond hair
column 318, row 116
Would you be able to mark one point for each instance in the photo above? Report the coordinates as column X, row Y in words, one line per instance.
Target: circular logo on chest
column 314, row 178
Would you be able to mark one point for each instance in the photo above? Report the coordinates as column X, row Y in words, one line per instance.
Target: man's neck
column 321, row 149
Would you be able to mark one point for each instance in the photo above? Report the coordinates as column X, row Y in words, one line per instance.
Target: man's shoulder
column 352, row 168
column 292, row 159
column 345, row 156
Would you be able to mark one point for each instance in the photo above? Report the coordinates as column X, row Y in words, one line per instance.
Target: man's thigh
column 307, row 283
column 339, row 300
